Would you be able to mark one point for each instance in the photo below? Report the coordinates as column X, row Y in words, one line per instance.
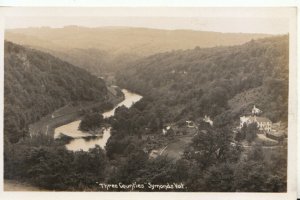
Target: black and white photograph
column 161, row 100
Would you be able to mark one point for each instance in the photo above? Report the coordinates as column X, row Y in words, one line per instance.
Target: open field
column 175, row 149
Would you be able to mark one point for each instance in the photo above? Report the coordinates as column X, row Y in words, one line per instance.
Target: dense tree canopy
column 37, row 83
column 52, row 167
column 202, row 81
column 91, row 121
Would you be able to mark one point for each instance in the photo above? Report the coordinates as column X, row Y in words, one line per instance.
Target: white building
column 256, row 111
column 208, row 120
column 165, row 130
column 263, row 123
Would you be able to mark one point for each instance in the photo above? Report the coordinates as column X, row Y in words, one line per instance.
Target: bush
column 91, row 121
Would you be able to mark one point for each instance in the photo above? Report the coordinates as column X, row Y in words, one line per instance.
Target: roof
column 255, row 118
column 262, row 119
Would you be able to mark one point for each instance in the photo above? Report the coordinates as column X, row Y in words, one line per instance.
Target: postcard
column 191, row 102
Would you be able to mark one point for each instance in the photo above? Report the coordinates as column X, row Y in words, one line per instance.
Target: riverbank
column 69, row 113
column 82, row 140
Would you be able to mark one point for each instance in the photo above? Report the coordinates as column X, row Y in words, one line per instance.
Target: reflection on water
column 85, row 144
column 81, row 143
column 130, row 99
column 71, row 130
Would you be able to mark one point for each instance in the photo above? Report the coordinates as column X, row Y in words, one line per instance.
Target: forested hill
column 111, row 48
column 37, row 83
column 222, row 82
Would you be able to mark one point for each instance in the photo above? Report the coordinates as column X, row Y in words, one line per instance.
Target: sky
column 237, row 20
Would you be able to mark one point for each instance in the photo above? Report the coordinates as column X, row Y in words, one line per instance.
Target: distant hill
column 36, row 83
column 221, row 82
column 110, row 48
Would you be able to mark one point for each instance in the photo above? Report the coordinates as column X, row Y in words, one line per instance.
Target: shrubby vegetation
column 37, row 83
column 91, row 121
column 248, row 132
column 211, row 163
column 46, row 163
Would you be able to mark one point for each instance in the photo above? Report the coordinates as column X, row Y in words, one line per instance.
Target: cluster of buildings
column 264, row 124
column 191, row 125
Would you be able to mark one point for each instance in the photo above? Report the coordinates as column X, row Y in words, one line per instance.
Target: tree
column 250, row 176
column 130, row 170
column 251, row 132
column 213, row 146
column 91, row 121
column 36, row 84
column 219, row 178
column 248, row 132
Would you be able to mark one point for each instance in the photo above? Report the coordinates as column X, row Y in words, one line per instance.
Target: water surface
column 80, row 142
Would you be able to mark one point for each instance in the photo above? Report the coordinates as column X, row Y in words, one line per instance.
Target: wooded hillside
column 37, row 83
column 193, row 83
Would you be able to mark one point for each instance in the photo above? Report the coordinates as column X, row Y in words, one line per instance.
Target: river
column 79, row 142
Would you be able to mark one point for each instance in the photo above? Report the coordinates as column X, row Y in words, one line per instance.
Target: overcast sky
column 244, row 20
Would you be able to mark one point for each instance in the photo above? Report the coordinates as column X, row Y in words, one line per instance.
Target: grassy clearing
column 175, row 149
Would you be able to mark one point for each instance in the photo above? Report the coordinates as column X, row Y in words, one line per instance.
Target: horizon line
column 140, row 27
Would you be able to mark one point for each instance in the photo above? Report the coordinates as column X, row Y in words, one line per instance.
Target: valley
column 79, row 141
column 178, row 118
